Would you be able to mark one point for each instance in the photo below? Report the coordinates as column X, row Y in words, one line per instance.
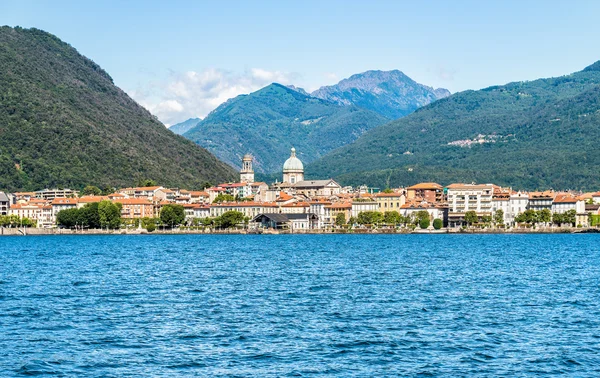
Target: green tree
column 437, row 223
column 146, row 182
column 420, row 216
column 558, row 219
column 340, row 219
column 570, row 217
column 369, row 217
column 89, row 215
column 109, row 214
column 224, row 197
column 544, row 216
column 499, row 217
column 231, row 219
column 172, row 215
column 471, row 218
column 67, row 218
column 424, row 223
column 91, row 190
column 388, row 190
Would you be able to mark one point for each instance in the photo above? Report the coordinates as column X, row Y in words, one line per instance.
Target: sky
column 181, row 59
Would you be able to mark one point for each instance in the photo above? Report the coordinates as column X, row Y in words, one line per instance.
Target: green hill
column 268, row 122
column 537, row 134
column 64, row 123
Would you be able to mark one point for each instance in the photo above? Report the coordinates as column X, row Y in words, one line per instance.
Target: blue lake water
column 305, row 305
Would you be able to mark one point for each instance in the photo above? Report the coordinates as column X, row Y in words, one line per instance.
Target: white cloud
column 194, row 94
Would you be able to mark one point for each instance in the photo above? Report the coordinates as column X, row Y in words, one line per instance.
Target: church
column 293, row 182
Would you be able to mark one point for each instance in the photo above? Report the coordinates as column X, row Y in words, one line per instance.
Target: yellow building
column 389, row 201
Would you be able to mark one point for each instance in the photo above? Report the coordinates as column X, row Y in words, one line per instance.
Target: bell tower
column 247, row 173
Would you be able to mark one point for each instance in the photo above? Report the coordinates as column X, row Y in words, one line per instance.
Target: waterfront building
column 39, row 213
column 390, row 201
column 248, row 208
column 429, row 191
column 541, row 200
column 435, row 211
column 463, row 198
column 4, row 203
column 59, row 204
column 564, row 202
column 292, row 222
column 136, row 208
column 247, row 173
column 293, row 169
column 338, row 208
column 361, row 205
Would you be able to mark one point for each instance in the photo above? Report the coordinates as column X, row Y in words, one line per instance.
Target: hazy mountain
column 268, row 122
column 64, row 123
column 183, row 127
column 535, row 134
column 389, row 93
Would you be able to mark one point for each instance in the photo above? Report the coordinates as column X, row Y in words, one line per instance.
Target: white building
column 247, row 173
column 362, row 206
column 463, row 198
column 293, row 169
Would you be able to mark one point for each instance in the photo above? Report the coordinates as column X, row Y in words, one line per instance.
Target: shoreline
column 56, row 231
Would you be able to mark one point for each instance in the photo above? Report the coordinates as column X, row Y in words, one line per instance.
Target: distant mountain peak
column 299, row 90
column 390, row 93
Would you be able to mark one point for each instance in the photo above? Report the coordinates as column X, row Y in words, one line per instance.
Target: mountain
column 63, row 123
column 529, row 135
column 389, row 93
column 183, row 127
column 268, row 122
column 297, row 89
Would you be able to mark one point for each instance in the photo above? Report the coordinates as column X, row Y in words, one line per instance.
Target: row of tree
column 15, row 221
column 420, row 218
column 546, row 217
column 104, row 214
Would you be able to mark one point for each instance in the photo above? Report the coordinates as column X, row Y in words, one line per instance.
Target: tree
column 570, row 217
column 172, row 215
column 146, row 182
column 231, row 219
column 471, row 217
column 437, row 223
column 388, row 190
column 224, row 197
column 89, row 216
column 424, row 223
column 109, row 214
column 340, row 219
column 558, row 219
column 67, row 218
column 91, row 190
column 544, row 216
column 499, row 217
column 369, row 217
column 392, row 217
column 420, row 216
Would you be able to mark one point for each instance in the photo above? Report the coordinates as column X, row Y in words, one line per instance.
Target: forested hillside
column 538, row 134
column 64, row 123
column 268, row 122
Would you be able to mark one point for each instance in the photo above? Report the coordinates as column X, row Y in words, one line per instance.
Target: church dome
column 293, row 163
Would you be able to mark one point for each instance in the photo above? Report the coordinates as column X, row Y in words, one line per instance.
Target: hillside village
column 299, row 205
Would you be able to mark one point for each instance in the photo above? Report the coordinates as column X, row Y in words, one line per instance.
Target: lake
column 300, row 305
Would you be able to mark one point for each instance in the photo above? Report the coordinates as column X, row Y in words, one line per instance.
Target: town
column 299, row 205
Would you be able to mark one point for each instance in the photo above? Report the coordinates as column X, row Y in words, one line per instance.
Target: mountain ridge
column 390, row 93
column 509, row 134
column 268, row 122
